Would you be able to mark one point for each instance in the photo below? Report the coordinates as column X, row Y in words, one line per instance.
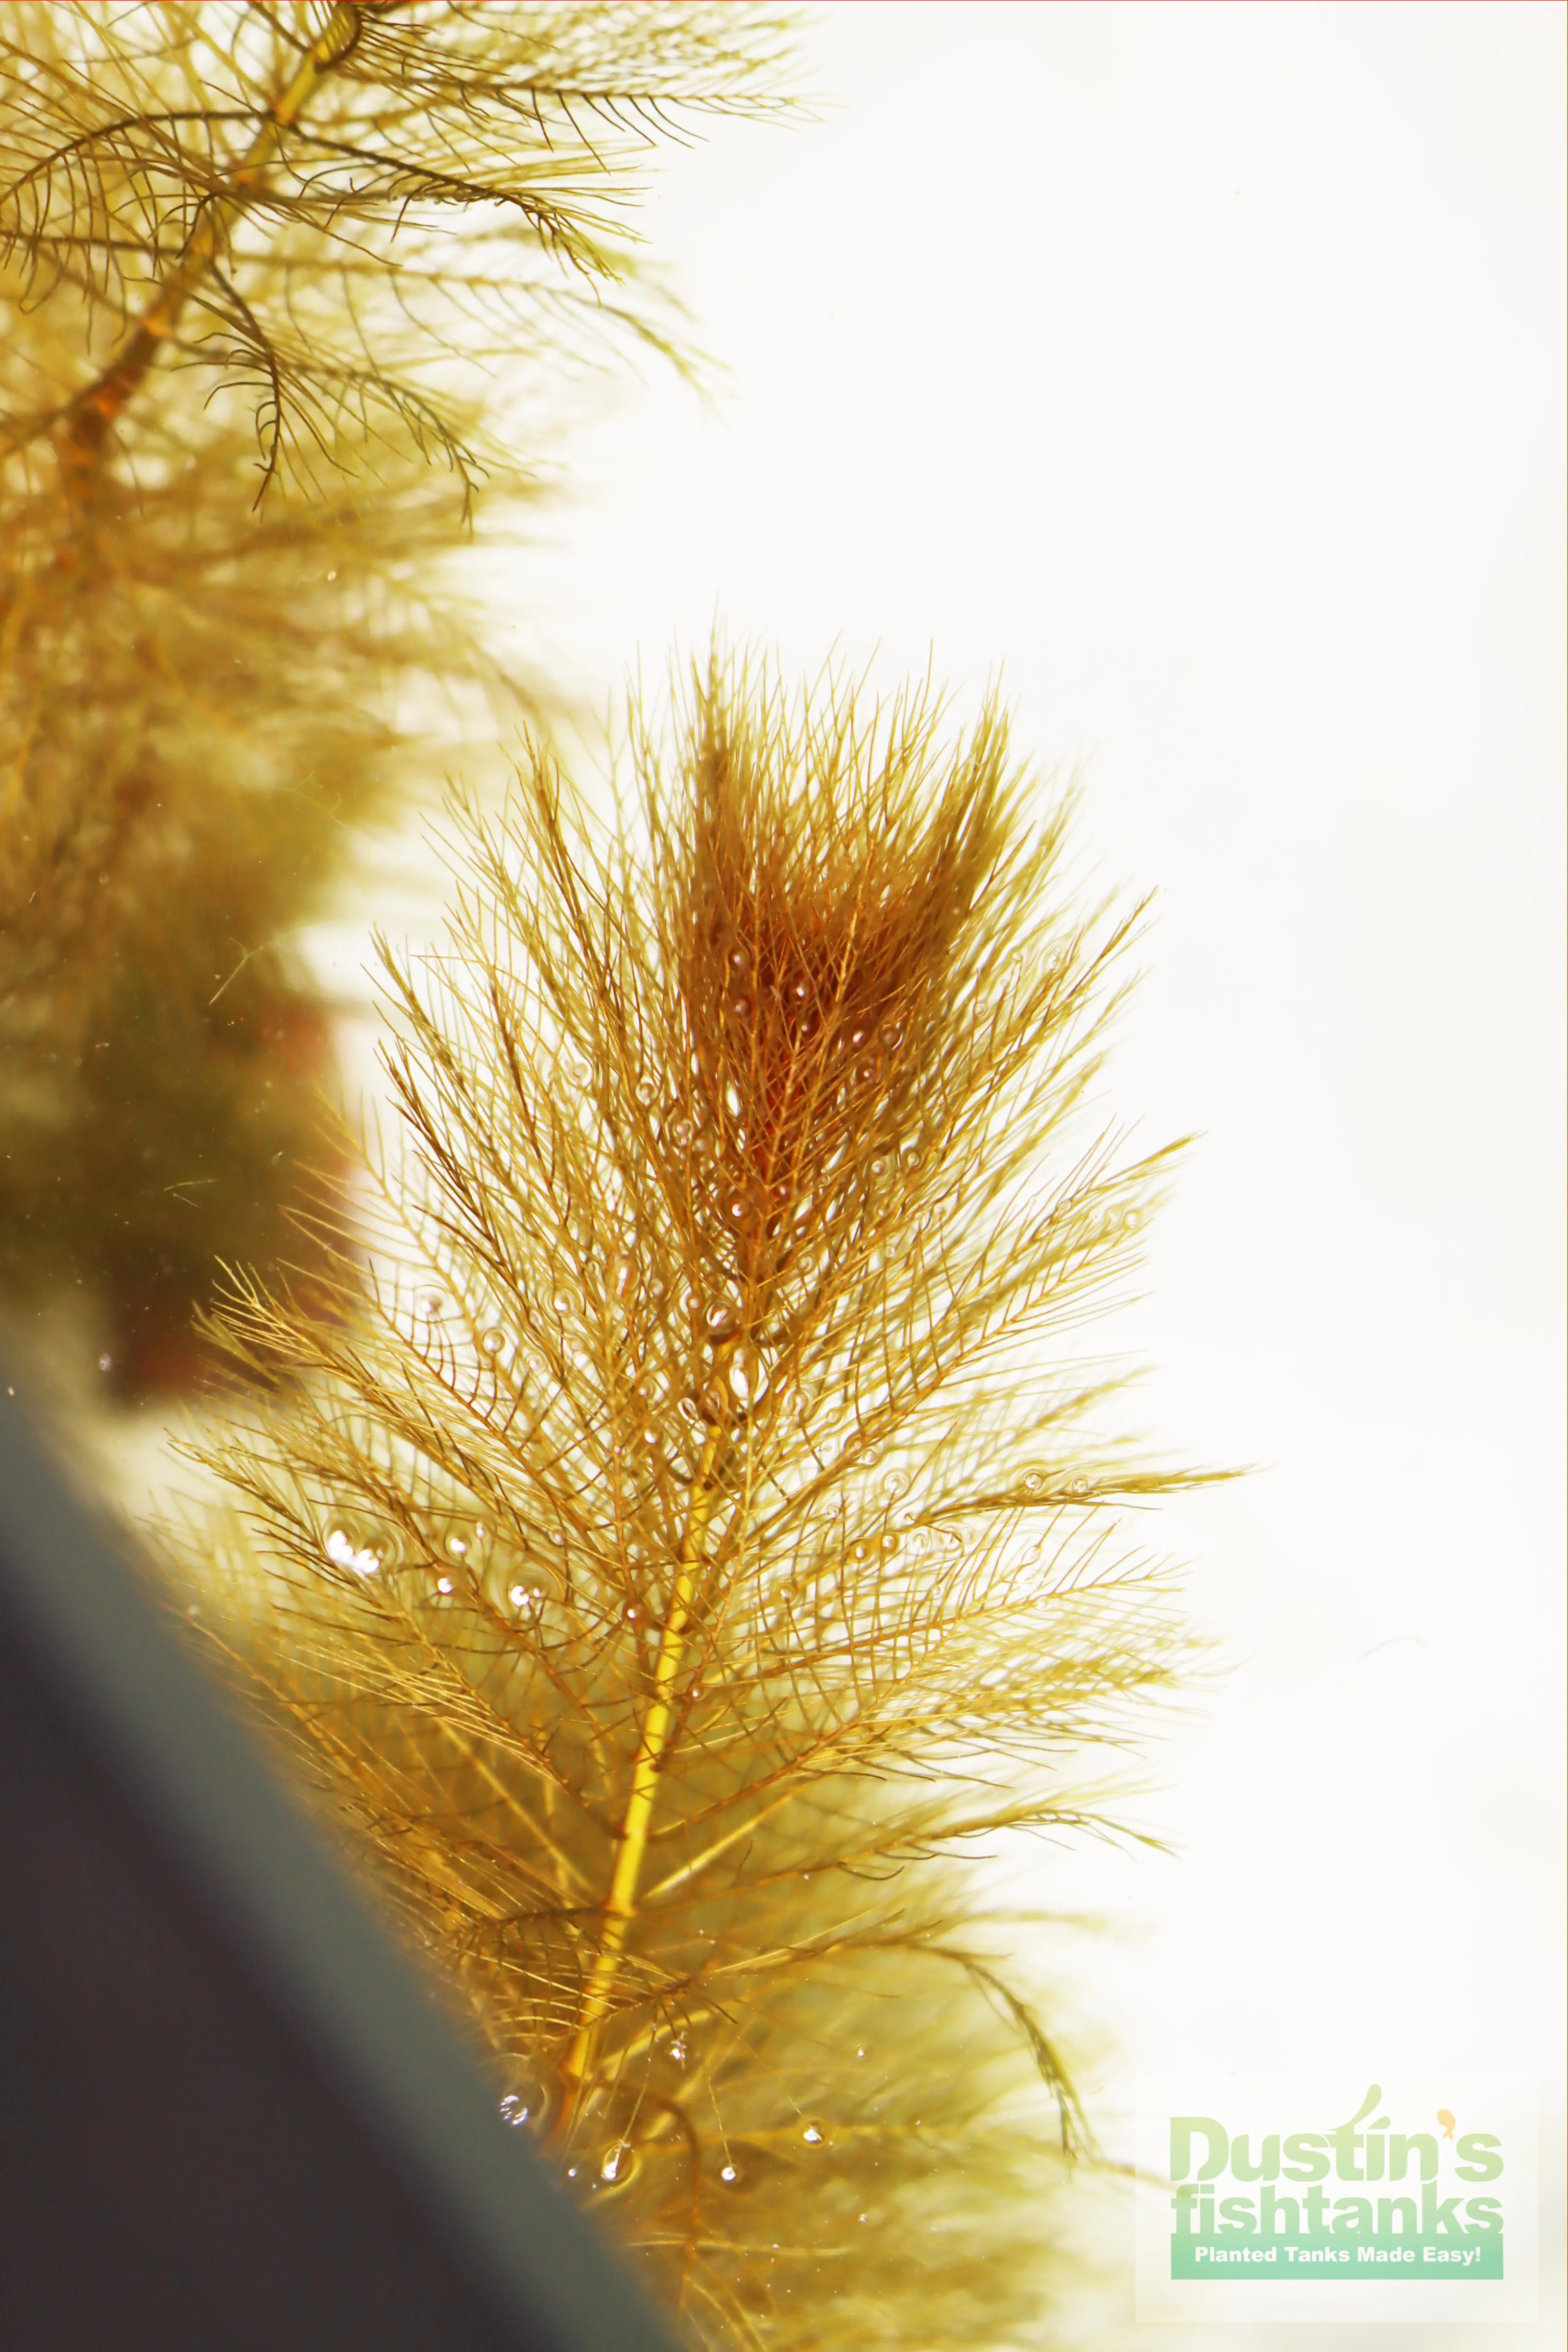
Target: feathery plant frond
column 290, row 297
column 685, row 1547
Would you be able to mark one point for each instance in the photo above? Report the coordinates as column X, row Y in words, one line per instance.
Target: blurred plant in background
column 670, row 1550
column 291, row 298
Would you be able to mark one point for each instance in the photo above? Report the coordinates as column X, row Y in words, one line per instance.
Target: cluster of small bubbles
column 343, row 1552
column 678, row 2052
column 522, row 2106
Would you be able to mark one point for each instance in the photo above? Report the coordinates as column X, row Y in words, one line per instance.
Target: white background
column 1200, row 369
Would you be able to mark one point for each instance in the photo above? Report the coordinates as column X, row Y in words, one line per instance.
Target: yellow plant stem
column 81, row 431
column 631, row 1845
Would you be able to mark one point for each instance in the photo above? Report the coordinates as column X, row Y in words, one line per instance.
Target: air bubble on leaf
column 525, row 2106
column 343, row 1551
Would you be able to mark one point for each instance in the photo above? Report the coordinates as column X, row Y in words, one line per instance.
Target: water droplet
column 105, row 1363
column 493, row 1342
column 739, row 961
column 740, row 1008
column 630, row 1613
column 428, row 1304
column 617, row 2166
column 556, row 1538
column 443, row 1584
column 896, row 1482
column 647, row 1092
column 732, row 1100
column 1033, row 1482
column 812, row 2133
column 561, row 1300
column 861, row 1551
column 455, row 1545
column 729, row 2172
column 802, row 988
column 722, row 1317
column 1078, row 1487
column 890, row 1541
column 520, row 1597
column 678, row 2052
column 879, row 1165
column 714, row 1404
column 682, row 1131
column 892, row 1033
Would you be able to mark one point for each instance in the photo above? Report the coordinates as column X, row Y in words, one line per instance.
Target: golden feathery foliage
column 684, row 1550
column 287, row 294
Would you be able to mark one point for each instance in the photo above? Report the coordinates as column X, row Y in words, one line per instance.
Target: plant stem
column 631, row 1845
column 81, row 431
